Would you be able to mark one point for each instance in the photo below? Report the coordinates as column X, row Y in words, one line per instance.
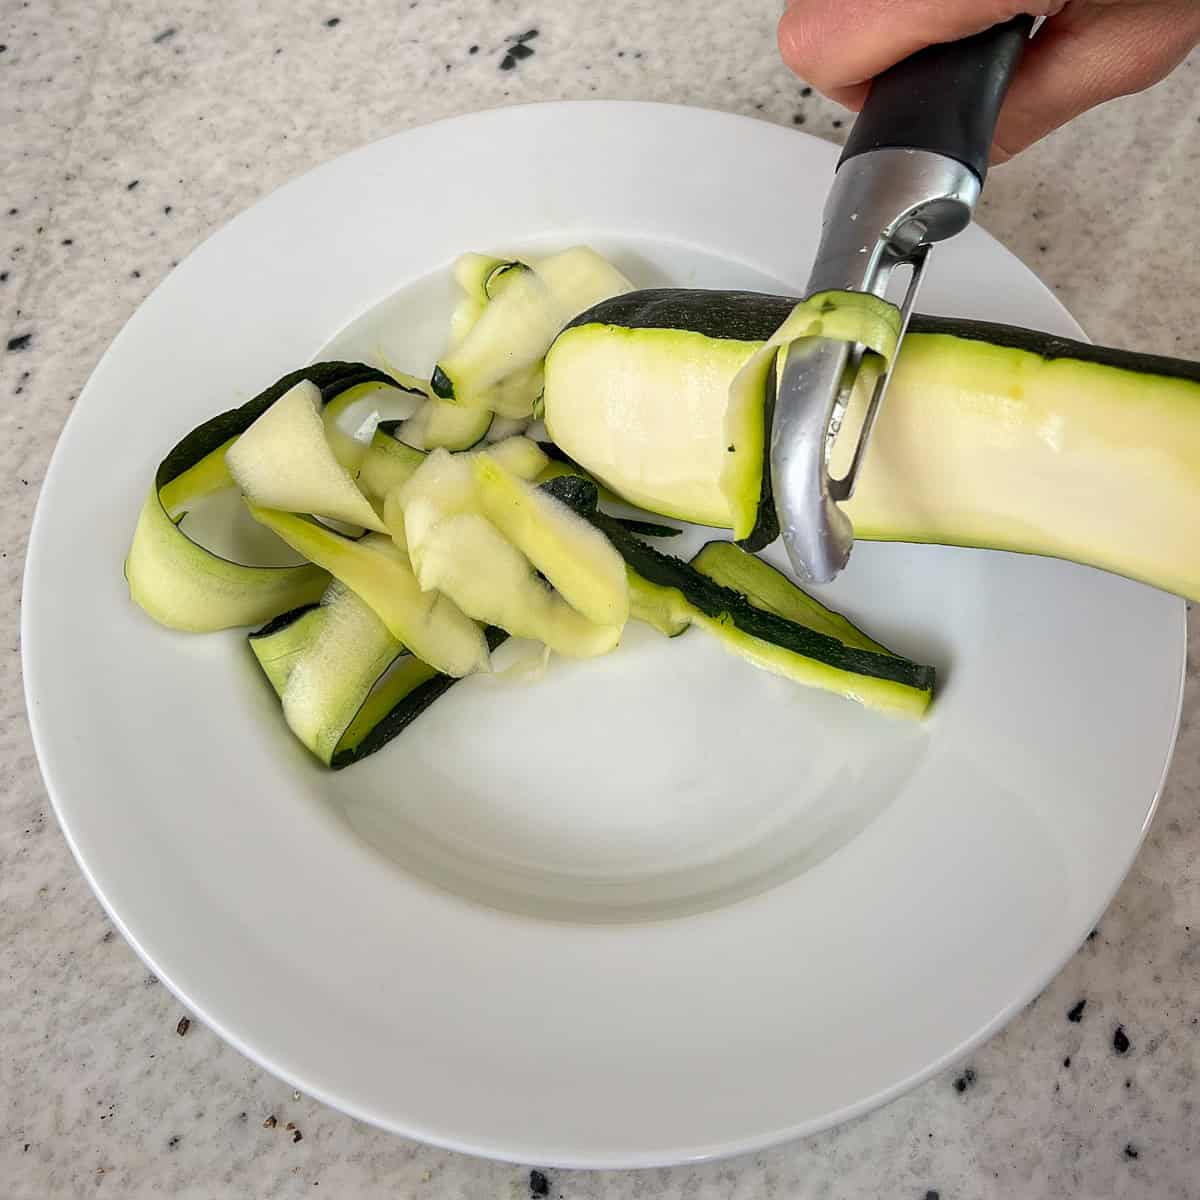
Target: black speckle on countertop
column 1091, row 937
column 1131, row 1151
column 333, row 22
column 135, row 274
column 837, row 124
column 20, row 342
column 517, row 49
column 3, row 276
column 1075, row 1014
column 166, row 210
column 806, row 92
column 166, row 35
column 539, row 1185
column 1067, row 1061
column 173, row 1142
column 1121, row 1042
column 799, row 119
column 933, row 1194
column 132, row 184
column 472, row 49
column 68, row 241
column 964, row 1081
column 184, row 1025
column 12, row 212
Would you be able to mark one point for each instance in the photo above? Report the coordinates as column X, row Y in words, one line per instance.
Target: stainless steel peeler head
column 885, row 210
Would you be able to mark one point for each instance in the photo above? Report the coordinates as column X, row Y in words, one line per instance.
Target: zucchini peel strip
column 178, row 582
column 745, row 479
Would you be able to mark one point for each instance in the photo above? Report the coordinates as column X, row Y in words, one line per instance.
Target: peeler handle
column 944, row 99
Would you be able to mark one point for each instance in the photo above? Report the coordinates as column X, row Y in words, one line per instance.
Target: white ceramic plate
column 657, row 907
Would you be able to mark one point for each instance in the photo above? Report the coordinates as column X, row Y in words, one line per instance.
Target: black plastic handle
column 945, row 98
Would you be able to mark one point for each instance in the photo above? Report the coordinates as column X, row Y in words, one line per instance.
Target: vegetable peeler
column 910, row 175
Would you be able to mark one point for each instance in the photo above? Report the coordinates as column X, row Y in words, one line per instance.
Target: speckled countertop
column 133, row 129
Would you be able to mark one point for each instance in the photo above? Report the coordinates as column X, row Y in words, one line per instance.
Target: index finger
column 839, row 47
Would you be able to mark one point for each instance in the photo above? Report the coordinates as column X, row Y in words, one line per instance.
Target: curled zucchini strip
column 510, row 316
column 346, row 686
column 848, row 316
column 178, row 582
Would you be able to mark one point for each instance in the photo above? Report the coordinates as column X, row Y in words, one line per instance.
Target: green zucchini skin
column 333, row 378
column 283, row 621
column 729, row 316
column 648, row 529
column 723, row 604
column 405, row 712
column 754, row 317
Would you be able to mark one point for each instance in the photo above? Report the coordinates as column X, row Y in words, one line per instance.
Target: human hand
column 1087, row 52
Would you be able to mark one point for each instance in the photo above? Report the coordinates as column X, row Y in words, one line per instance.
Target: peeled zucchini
column 179, row 583
column 990, row 436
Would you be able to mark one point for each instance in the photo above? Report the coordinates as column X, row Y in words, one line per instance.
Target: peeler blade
column 816, row 534
column 816, row 377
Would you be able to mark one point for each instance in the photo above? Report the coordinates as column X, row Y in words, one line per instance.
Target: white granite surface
column 134, row 128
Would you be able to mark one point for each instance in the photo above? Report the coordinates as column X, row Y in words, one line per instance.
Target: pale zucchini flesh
column 466, row 558
column 429, row 624
column 285, row 461
column 578, row 561
column 497, row 364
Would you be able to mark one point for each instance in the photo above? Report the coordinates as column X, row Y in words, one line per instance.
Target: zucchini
column 178, row 582
column 445, row 486
column 283, row 640
column 438, row 423
column 388, row 464
column 351, row 445
column 373, row 567
column 498, row 363
column 771, row 590
column 576, row 559
column 991, row 436
column 346, row 686
column 467, row 559
column 285, row 461
column 878, row 680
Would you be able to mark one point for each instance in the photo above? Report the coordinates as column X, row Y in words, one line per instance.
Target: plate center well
column 666, row 778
